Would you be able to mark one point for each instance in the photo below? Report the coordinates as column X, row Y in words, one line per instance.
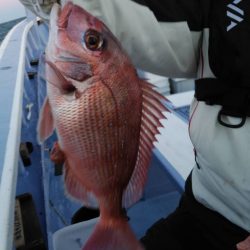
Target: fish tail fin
column 112, row 235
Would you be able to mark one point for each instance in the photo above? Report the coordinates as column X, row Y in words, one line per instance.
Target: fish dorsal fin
column 152, row 112
column 45, row 126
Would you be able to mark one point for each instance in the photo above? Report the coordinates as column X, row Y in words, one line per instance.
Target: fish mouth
column 54, row 15
column 62, row 21
column 70, row 66
column 64, row 71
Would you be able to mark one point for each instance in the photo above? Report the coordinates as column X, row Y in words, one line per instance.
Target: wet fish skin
column 106, row 119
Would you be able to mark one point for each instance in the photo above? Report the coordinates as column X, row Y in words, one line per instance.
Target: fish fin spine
column 153, row 111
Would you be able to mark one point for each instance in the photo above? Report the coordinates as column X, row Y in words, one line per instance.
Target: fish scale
column 97, row 137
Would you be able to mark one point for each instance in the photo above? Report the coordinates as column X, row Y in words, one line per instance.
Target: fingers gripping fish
column 106, row 119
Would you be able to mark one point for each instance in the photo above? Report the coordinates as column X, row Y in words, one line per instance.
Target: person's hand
column 244, row 245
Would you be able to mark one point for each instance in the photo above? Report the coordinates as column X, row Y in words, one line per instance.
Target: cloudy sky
column 10, row 9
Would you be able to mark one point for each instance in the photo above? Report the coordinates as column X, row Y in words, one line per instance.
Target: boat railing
column 10, row 163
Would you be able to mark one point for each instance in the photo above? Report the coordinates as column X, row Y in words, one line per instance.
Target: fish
column 106, row 119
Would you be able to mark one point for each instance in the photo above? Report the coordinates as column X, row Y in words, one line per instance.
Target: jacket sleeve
column 40, row 8
column 156, row 39
column 167, row 48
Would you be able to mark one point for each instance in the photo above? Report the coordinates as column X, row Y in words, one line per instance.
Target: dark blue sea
column 6, row 27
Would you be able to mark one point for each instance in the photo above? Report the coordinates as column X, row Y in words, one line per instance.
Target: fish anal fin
column 46, row 123
column 152, row 111
column 75, row 188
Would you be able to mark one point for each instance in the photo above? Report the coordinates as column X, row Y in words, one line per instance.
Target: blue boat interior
column 43, row 180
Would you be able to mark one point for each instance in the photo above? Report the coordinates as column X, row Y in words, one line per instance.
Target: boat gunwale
column 7, row 38
column 8, row 179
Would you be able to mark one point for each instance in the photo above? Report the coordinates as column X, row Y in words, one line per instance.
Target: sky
column 10, row 10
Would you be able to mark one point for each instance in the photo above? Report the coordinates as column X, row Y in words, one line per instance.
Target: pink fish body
column 106, row 119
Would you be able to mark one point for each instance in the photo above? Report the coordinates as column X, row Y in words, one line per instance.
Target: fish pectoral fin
column 152, row 112
column 75, row 189
column 56, row 154
column 45, row 126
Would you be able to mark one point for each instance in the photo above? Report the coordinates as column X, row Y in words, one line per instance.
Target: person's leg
column 193, row 226
column 179, row 231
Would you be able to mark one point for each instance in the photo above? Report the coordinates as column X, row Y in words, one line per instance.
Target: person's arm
column 158, row 38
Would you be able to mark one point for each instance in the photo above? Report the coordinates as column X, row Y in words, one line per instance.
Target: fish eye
column 93, row 40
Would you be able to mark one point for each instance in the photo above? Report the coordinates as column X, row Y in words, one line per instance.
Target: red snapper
column 106, row 119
